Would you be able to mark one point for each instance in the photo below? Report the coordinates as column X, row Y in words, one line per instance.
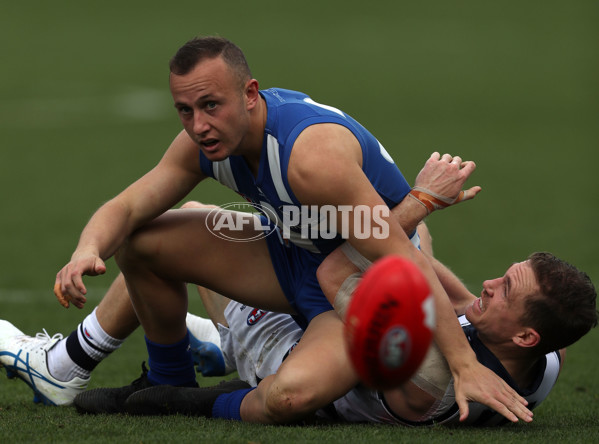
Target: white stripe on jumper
column 272, row 149
column 224, row 174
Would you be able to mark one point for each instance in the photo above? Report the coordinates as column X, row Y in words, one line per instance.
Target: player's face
column 212, row 107
column 497, row 313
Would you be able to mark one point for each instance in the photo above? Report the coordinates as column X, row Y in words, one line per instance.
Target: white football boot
column 25, row 357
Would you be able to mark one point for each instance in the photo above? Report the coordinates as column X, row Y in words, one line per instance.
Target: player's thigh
column 184, row 246
column 317, row 371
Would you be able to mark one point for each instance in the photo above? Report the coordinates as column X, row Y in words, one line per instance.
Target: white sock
column 202, row 329
column 96, row 343
column 61, row 366
column 79, row 353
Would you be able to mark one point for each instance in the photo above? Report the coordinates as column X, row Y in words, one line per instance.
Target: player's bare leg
column 115, row 312
column 313, row 375
column 316, row 373
column 177, row 248
column 174, row 249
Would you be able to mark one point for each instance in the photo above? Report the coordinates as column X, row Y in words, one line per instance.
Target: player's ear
column 527, row 337
column 251, row 93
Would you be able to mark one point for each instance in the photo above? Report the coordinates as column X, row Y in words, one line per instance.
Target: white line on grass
column 25, row 296
column 137, row 104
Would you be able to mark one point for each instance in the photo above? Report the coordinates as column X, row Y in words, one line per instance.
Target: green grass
column 85, row 110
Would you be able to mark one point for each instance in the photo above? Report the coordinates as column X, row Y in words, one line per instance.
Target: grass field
column 85, row 110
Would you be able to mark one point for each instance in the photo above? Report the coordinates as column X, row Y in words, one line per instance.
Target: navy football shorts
column 295, row 268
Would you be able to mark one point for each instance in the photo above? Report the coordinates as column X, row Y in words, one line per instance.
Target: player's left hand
column 441, row 181
column 480, row 384
column 69, row 287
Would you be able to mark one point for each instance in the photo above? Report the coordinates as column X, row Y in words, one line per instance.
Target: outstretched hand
column 69, row 287
column 480, row 384
column 439, row 183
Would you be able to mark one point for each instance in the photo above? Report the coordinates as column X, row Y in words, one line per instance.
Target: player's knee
column 284, row 406
column 198, row 205
column 135, row 250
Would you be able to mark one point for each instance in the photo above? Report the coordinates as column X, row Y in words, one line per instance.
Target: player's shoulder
column 292, row 103
column 282, row 96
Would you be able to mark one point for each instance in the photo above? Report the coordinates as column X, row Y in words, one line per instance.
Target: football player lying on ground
column 518, row 327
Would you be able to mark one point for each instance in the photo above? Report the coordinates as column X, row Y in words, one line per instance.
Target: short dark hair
column 202, row 48
column 565, row 310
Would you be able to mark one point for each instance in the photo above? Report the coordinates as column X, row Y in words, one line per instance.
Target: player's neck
column 255, row 138
column 518, row 362
column 523, row 372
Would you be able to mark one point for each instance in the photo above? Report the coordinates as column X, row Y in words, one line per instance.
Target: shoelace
column 45, row 337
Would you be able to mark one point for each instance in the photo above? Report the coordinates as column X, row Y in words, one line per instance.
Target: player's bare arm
column 151, row 195
column 342, row 184
column 459, row 295
column 443, row 176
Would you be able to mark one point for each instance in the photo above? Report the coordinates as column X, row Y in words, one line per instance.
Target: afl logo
column 238, row 221
column 255, row 315
column 395, row 348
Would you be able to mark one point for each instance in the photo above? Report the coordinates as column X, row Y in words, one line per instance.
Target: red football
column 389, row 322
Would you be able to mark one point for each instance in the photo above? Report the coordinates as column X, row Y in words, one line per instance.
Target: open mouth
column 209, row 143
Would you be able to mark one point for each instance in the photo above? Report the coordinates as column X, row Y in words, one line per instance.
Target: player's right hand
column 444, row 176
column 69, row 287
column 480, row 384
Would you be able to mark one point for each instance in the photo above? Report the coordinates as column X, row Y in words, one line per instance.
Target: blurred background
column 85, row 110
